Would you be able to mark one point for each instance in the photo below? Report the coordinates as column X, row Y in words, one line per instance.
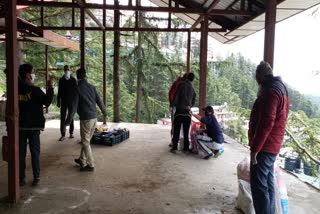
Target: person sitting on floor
column 213, row 142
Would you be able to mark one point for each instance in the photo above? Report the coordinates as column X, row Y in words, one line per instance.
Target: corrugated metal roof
column 239, row 27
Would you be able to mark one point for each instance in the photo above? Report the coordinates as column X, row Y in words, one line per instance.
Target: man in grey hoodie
column 87, row 111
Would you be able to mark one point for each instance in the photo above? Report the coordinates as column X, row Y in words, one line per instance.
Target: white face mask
column 67, row 75
column 33, row 76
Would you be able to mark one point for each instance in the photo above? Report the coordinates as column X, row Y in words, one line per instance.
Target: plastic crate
column 110, row 138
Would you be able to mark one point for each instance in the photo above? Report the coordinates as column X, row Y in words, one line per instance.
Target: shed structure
column 227, row 21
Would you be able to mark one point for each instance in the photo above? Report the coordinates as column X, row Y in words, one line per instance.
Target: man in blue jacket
column 31, row 120
column 87, row 111
column 212, row 142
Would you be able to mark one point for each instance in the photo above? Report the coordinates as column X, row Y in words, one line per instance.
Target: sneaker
column 78, row 161
column 61, row 138
column 71, row 136
column 22, row 182
column 208, row 156
column 87, row 168
column 172, row 150
column 35, row 182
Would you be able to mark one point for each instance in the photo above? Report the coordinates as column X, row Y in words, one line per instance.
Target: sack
column 194, row 146
column 244, row 199
column 243, row 170
column 5, row 148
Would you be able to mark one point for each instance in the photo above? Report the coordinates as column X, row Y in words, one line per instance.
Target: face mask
column 67, row 75
column 33, row 76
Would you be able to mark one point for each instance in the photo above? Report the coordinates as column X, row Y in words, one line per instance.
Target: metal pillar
column 46, row 68
column 203, row 63
column 13, row 111
column 82, row 38
column 188, row 51
column 104, row 67
column 270, row 27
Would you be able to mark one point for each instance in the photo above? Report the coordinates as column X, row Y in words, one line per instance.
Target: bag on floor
column 244, row 199
column 194, row 146
column 243, row 170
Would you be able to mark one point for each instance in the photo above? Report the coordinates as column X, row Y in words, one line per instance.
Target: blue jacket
column 213, row 128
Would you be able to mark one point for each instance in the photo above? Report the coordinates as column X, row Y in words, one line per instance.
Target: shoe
column 71, row 136
column 217, row 155
column 35, row 182
column 22, row 182
column 87, row 168
column 172, row 150
column 78, row 161
column 208, row 156
column 61, row 138
column 170, row 145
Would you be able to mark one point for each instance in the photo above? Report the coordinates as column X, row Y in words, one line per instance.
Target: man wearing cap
column 31, row 120
column 266, row 132
column 213, row 142
column 184, row 99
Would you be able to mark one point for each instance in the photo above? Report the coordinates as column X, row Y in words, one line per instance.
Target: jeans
column 181, row 117
column 33, row 138
column 262, row 183
column 64, row 118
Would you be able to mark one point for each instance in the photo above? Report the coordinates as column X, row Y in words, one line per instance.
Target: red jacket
column 269, row 116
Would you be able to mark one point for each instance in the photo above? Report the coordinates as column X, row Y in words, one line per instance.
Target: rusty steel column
column 188, row 51
column 270, row 28
column 13, row 111
column 46, row 68
column 203, row 63
column 82, row 38
column 104, row 67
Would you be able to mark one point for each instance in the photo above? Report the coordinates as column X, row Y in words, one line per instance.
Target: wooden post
column 270, row 27
column 13, row 111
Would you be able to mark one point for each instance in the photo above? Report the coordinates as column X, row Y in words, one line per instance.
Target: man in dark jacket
column 31, row 120
column 266, row 132
column 87, row 111
column 184, row 99
column 212, row 142
column 66, row 101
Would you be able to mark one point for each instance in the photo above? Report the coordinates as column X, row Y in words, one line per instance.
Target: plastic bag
column 244, row 199
column 243, row 170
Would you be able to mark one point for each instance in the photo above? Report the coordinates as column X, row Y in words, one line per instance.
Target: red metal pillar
column 13, row 111
column 104, row 62
column 203, row 63
column 270, row 27
column 188, row 51
column 46, row 68
column 82, row 37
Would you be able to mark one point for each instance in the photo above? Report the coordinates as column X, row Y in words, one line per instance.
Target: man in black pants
column 66, row 101
column 184, row 99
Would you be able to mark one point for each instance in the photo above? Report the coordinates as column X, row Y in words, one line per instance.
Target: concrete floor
column 138, row 176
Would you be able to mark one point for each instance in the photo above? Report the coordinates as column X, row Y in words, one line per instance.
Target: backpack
column 173, row 89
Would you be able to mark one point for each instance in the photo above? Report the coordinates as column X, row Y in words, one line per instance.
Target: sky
column 297, row 50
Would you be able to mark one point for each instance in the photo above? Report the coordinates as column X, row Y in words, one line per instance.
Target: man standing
column 66, row 101
column 184, row 99
column 213, row 142
column 88, row 98
column 31, row 120
column 266, row 132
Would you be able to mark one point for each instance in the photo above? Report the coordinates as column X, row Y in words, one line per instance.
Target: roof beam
column 82, row 4
column 211, row 7
column 38, row 28
column 232, row 4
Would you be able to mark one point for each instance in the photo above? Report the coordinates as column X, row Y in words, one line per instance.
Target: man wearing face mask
column 31, row 120
column 66, row 101
column 212, row 142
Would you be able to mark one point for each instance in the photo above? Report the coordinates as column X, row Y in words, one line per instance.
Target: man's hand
column 253, row 158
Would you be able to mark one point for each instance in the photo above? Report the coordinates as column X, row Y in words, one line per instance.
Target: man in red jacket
column 266, row 132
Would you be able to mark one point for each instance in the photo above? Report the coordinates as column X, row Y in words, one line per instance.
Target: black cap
column 208, row 108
